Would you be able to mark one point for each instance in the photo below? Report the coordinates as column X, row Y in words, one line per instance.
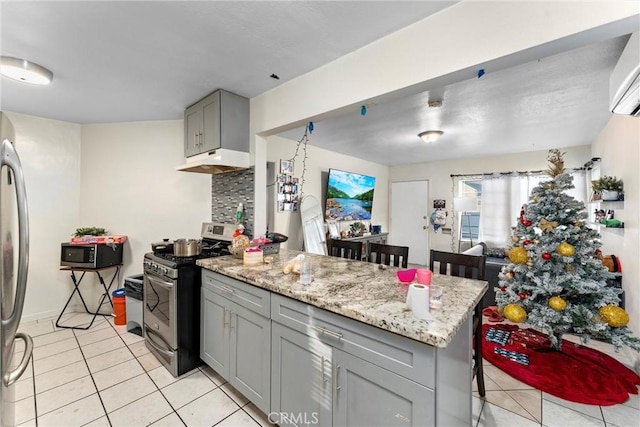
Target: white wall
column 441, row 184
column 50, row 154
column 120, row 176
column 130, row 186
column 318, row 161
column 618, row 145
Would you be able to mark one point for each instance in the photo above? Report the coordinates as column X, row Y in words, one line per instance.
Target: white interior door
column 410, row 218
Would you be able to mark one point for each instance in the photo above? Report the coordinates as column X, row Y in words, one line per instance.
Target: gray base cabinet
column 214, row 333
column 301, row 383
column 368, row 395
column 234, row 339
column 306, row 366
column 249, row 363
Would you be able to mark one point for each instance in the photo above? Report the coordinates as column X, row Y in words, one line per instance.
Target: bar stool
column 345, row 249
column 471, row 267
column 386, row 253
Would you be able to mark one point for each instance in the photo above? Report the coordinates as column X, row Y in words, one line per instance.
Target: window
column 470, row 221
column 470, row 227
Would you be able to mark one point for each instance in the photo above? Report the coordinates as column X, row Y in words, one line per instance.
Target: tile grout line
column 35, row 402
column 158, row 389
column 93, row 381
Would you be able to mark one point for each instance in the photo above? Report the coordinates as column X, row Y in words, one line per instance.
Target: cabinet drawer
column 406, row 357
column 243, row 294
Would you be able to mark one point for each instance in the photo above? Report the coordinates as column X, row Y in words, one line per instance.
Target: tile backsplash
column 227, row 190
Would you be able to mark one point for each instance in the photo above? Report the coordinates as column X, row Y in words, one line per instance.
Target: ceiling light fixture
column 24, row 71
column 430, row 135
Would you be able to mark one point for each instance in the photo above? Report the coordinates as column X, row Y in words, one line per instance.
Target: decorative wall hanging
column 287, row 193
column 286, row 167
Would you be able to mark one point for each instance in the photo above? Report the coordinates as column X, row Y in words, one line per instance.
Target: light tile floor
column 107, row 377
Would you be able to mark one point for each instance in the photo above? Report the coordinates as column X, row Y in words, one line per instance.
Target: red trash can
column 119, row 307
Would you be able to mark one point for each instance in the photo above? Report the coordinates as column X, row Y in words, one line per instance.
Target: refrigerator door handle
column 9, row 158
column 12, row 376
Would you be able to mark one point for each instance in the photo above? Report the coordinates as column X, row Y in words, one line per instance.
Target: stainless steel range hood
column 216, row 161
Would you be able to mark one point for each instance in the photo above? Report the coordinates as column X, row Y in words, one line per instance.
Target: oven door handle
column 149, row 333
column 165, row 285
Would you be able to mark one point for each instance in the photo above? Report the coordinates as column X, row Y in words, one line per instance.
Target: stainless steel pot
column 186, row 247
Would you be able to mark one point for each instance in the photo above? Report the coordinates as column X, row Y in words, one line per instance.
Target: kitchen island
column 343, row 350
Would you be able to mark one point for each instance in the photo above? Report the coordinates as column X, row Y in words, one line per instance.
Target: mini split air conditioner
column 624, row 83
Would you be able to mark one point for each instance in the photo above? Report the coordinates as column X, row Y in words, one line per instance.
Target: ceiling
column 553, row 102
column 148, row 60
column 122, row 61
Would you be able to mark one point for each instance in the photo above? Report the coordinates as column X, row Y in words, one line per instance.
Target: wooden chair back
column 386, row 254
column 470, row 267
column 345, row 249
column 460, row 265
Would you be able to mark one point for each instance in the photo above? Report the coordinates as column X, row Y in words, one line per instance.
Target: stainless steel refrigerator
column 14, row 232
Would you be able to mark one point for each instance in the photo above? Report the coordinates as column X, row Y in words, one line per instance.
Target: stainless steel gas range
column 172, row 300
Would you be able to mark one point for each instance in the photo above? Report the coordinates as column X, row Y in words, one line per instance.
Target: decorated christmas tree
column 556, row 282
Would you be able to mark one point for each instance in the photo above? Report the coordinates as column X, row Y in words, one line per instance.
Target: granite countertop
column 361, row 291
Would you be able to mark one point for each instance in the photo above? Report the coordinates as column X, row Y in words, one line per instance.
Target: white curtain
column 502, row 199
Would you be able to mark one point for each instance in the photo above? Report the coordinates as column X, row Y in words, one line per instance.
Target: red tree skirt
column 577, row 373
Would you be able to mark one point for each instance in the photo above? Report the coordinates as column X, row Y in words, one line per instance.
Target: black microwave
column 92, row 255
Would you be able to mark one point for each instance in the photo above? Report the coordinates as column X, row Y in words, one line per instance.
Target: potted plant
column 90, row 231
column 357, row 228
column 609, row 187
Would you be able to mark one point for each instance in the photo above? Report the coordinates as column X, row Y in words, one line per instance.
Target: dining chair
column 345, row 249
column 470, row 267
column 384, row 254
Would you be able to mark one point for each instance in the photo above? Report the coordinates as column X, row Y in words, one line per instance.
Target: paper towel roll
column 418, row 301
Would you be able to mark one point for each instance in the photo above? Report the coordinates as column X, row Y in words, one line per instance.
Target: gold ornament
column 614, row 316
column 557, row 303
column 536, row 198
column 547, row 226
column 566, row 249
column 508, row 275
column 515, row 313
column 515, row 239
column 518, row 255
column 579, row 224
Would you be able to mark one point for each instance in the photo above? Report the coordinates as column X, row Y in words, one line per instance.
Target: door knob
column 424, row 227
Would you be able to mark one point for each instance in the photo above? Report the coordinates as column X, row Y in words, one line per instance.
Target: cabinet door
column 250, row 357
column 368, row 395
column 214, row 331
column 300, row 379
column 193, row 130
column 211, row 127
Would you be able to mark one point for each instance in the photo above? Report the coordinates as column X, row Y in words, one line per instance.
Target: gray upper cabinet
column 220, row 120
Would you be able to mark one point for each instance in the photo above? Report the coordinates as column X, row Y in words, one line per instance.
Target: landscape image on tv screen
column 349, row 196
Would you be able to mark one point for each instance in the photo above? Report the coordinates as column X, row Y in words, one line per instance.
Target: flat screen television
column 349, row 196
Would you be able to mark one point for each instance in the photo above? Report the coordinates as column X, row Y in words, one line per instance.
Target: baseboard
column 39, row 316
column 50, row 314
